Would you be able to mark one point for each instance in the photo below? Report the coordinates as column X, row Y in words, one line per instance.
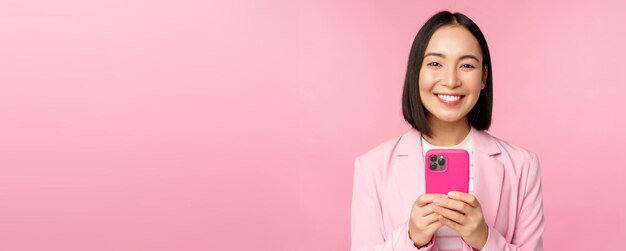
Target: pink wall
column 154, row 125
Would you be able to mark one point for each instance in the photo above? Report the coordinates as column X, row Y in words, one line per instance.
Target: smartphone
column 446, row 170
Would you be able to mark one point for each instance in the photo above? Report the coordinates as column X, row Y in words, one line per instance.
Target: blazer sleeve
column 530, row 221
column 367, row 221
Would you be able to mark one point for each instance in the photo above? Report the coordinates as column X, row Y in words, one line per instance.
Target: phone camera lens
column 442, row 162
column 433, row 165
column 433, row 158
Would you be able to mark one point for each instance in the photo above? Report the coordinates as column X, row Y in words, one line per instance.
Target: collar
column 410, row 143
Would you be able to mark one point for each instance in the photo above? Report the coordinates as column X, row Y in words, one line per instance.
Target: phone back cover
column 454, row 178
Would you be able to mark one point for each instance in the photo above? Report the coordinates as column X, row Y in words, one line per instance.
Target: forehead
column 453, row 40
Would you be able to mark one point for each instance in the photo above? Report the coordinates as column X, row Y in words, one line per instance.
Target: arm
column 530, row 223
column 366, row 218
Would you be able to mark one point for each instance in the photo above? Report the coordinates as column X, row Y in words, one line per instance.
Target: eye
column 467, row 66
column 435, row 64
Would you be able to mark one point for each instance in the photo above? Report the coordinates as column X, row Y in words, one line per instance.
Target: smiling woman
column 451, row 77
column 452, row 50
column 447, row 100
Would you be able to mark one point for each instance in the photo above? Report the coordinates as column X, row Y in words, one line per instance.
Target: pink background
column 233, row 125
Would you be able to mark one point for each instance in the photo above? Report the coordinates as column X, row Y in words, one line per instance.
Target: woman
column 447, row 99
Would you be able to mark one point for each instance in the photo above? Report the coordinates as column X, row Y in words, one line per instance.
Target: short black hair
column 412, row 108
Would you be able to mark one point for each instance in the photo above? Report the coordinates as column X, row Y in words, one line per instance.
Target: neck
column 447, row 133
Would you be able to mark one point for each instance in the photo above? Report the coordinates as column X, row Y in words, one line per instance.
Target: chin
column 449, row 118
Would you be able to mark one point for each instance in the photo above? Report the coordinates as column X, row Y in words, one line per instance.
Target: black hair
column 412, row 108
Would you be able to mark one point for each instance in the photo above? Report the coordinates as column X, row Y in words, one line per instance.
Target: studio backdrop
column 234, row 125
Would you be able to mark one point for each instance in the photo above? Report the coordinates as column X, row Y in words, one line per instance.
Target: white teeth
column 449, row 98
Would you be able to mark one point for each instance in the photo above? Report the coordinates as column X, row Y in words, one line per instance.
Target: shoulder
column 513, row 150
column 514, row 154
column 381, row 154
column 521, row 164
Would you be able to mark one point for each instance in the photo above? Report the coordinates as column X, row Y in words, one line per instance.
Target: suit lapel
column 488, row 172
column 410, row 165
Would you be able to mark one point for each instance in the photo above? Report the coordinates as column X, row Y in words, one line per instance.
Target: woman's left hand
column 462, row 212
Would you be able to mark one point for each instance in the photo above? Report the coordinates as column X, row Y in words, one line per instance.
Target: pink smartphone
column 447, row 170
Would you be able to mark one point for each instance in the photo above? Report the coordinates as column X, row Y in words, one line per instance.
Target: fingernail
column 451, row 193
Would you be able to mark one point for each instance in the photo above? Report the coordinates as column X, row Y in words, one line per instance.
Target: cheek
column 426, row 81
column 473, row 81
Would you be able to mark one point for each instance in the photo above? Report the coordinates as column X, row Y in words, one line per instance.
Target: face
column 451, row 76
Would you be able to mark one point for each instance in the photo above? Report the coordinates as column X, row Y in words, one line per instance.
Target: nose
column 451, row 80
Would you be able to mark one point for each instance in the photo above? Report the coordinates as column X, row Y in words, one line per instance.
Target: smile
column 449, row 99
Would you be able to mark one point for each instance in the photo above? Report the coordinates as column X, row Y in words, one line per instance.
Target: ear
column 485, row 74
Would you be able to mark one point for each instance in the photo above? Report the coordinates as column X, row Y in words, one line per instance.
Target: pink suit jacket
column 390, row 177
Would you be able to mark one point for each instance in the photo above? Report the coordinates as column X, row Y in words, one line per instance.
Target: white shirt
column 447, row 238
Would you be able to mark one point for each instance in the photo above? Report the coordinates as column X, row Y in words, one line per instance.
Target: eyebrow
column 443, row 56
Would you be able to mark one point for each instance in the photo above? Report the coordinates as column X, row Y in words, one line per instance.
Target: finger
column 425, row 199
column 423, row 211
column 450, row 214
column 430, row 219
column 451, row 224
column 425, row 222
column 465, row 197
column 453, row 204
column 433, row 227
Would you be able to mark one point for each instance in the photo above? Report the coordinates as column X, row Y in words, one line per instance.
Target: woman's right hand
column 424, row 222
